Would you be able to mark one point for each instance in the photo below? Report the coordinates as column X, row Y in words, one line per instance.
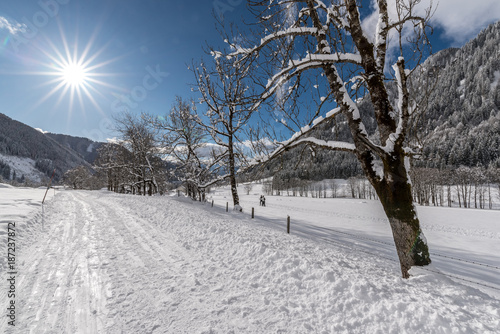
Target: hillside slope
column 22, row 145
column 462, row 123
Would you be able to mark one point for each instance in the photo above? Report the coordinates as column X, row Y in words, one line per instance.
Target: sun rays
column 76, row 74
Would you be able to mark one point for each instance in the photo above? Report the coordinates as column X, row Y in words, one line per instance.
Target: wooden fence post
column 212, row 203
column 253, row 213
column 288, row 224
column 227, row 206
column 50, row 182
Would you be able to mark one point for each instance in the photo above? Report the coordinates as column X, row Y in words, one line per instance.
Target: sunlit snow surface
column 97, row 262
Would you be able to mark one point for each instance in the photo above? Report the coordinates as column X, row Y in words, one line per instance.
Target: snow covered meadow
column 100, row 262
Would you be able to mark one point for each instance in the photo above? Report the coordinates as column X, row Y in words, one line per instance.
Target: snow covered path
column 98, row 270
column 97, row 262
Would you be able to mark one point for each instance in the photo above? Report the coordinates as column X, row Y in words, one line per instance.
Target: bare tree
column 334, row 187
column 248, row 187
column 113, row 161
column 352, row 182
column 138, row 137
column 306, row 45
column 226, row 94
column 77, row 177
column 183, row 140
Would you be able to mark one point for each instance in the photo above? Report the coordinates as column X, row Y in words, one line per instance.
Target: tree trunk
column 232, row 174
column 396, row 197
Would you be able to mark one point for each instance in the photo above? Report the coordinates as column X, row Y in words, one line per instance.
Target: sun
column 74, row 75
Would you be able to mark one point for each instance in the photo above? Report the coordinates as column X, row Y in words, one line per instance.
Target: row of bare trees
column 196, row 149
column 132, row 165
column 469, row 187
column 356, row 187
column 203, row 146
column 83, row 177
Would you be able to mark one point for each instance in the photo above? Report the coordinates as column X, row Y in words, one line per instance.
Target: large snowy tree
column 77, row 177
column 113, row 160
column 302, row 45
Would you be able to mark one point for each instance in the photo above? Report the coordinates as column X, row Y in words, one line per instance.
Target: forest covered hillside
column 22, row 145
column 462, row 123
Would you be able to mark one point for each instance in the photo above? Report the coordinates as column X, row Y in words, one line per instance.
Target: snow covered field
column 471, row 235
column 98, row 262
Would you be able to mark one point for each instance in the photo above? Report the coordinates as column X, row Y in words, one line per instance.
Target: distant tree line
column 469, row 187
column 357, row 187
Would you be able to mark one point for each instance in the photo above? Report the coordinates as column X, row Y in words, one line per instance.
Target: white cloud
column 113, row 140
column 205, row 152
column 464, row 19
column 263, row 142
column 12, row 26
column 461, row 20
column 44, row 132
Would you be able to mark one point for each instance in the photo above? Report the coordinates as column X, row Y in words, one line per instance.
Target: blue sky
column 137, row 54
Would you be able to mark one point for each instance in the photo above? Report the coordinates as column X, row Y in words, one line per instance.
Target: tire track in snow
column 142, row 266
column 152, row 269
column 60, row 285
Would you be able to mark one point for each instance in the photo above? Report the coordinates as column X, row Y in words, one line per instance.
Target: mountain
column 85, row 147
column 35, row 155
column 462, row 123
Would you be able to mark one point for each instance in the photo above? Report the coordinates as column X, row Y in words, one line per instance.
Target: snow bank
column 260, row 280
column 22, row 206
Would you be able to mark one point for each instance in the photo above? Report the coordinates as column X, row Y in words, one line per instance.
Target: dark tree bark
column 232, row 173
